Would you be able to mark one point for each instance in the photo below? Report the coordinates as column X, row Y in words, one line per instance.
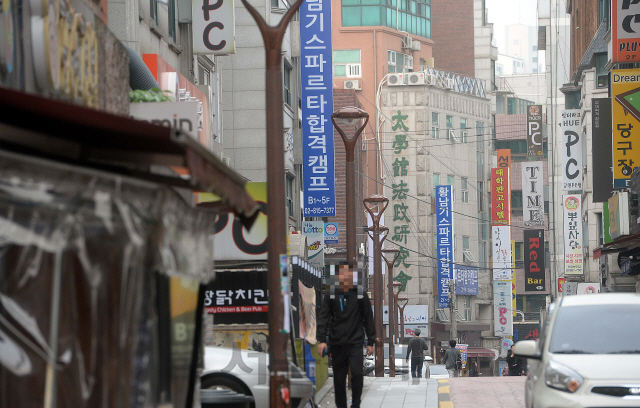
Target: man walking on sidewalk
column 416, row 346
column 451, row 358
column 345, row 315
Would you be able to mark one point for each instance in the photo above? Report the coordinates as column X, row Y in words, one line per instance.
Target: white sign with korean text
column 572, row 221
column 503, row 316
column 413, row 314
column 213, row 27
column 532, row 194
column 501, row 253
column 571, row 150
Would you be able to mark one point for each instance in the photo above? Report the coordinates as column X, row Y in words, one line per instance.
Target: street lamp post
column 276, row 224
column 401, row 307
column 370, row 203
column 393, row 254
column 396, row 285
column 350, row 113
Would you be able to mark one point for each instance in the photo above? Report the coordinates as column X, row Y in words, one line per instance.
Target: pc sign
column 331, row 233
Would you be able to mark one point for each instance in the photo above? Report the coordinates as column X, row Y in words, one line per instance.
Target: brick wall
column 452, row 32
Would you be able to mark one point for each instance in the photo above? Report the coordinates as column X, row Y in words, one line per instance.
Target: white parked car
column 587, row 355
column 247, row 372
column 438, row 371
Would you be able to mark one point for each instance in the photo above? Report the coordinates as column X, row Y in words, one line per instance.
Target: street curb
column 326, row 389
column 444, row 398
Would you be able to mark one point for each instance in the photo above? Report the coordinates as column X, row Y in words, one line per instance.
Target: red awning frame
column 480, row 352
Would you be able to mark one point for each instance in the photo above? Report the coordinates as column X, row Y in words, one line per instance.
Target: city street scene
column 319, row 203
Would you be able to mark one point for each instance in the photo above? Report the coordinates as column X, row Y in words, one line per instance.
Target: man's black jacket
column 344, row 318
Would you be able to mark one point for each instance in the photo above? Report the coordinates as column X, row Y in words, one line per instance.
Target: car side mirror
column 527, row 349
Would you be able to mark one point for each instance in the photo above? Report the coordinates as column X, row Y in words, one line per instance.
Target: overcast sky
column 506, row 12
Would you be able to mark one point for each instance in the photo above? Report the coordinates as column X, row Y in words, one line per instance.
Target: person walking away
column 344, row 316
column 514, row 363
column 416, row 348
column 451, row 358
column 473, row 369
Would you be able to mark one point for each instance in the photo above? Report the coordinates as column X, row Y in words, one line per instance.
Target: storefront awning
column 480, row 352
column 82, row 136
column 618, row 245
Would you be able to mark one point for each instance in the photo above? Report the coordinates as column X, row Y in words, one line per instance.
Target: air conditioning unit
column 415, row 45
column 415, row 78
column 352, row 84
column 448, row 83
column 396, row 79
column 407, row 43
column 431, row 79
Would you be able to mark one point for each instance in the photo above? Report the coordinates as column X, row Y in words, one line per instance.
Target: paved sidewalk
column 482, row 392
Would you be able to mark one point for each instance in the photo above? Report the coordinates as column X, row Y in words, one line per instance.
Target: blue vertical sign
column 444, row 222
column 317, row 107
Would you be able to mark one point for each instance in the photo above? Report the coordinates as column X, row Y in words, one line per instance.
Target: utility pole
column 452, row 308
column 393, row 254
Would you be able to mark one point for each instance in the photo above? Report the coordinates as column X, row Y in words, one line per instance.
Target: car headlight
column 561, row 377
column 296, row 372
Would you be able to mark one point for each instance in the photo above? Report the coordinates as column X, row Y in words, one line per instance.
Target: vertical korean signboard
column 601, row 149
column 534, row 131
column 501, row 253
column 500, row 197
column 314, row 230
column 625, row 27
column 572, row 234
column 503, row 316
column 571, row 150
column 444, row 236
column 317, row 106
column 534, row 273
column 625, row 109
column 532, row 194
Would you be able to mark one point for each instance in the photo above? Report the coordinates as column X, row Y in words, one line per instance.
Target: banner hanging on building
column 500, row 197
column 504, row 158
column 625, row 31
column 213, row 26
column 625, row 90
column 532, row 194
column 571, row 150
column 314, row 230
column 534, row 272
column 317, row 106
column 534, row 131
column 503, row 316
column 444, row 236
column 466, row 280
column 601, row 153
column 572, row 234
column 502, row 267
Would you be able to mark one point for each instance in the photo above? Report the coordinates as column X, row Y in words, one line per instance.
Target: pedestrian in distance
column 416, row 348
column 514, row 363
column 473, row 369
column 452, row 359
column 344, row 317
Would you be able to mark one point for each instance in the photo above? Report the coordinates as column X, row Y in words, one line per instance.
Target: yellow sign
column 625, row 91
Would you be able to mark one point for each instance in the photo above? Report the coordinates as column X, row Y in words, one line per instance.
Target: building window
column 413, row 17
column 450, row 181
column 463, row 130
column 434, row 125
column 600, row 228
column 346, row 63
column 480, row 135
column 572, row 100
column 172, row 19
column 516, row 199
column 399, row 62
column 464, row 189
column 482, row 254
column 480, row 198
column 483, row 227
column 289, row 191
column 449, row 127
column 601, row 72
column 604, row 12
column 467, row 308
column 153, row 11
column 204, row 75
column 275, row 3
column 287, row 83
column 519, row 255
column 436, row 182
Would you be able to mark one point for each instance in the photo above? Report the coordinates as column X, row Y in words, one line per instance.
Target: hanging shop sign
column 317, row 106
column 331, row 233
column 625, row 90
column 625, row 29
column 314, row 230
column 619, row 215
column 445, row 237
column 588, row 288
column 532, row 194
column 571, row 150
column 176, row 115
column 534, row 131
column 504, row 158
column 572, row 219
column 412, row 314
column 534, row 271
column 601, row 153
column 500, row 197
column 466, row 280
column 213, row 27
column 502, row 254
column 503, row 316
column 238, row 297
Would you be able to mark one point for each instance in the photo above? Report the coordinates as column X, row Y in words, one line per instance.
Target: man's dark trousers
column 345, row 357
column 416, row 367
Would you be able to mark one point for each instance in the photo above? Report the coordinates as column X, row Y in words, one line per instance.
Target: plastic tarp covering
column 83, row 255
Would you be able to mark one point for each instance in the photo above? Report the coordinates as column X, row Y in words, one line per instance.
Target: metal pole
column 350, row 113
column 377, row 200
column 395, row 312
column 279, row 391
column 406, row 300
column 453, row 305
column 392, row 316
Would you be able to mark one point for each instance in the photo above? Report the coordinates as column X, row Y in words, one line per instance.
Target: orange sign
column 504, row 158
column 500, row 197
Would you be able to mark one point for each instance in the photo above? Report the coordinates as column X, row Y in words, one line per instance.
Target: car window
column 596, row 329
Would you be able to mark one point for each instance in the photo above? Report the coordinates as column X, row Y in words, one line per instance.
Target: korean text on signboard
column 571, row 150
column 532, row 194
column 331, row 233
column 502, row 268
column 625, row 27
column 500, row 197
column 466, row 280
column 534, row 272
column 213, row 25
column 317, row 106
column 504, row 158
column 238, row 297
column 503, row 317
column 412, row 314
column 444, row 220
column 625, row 90
column 534, row 131
column 601, row 149
column 314, row 230
column 572, row 234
